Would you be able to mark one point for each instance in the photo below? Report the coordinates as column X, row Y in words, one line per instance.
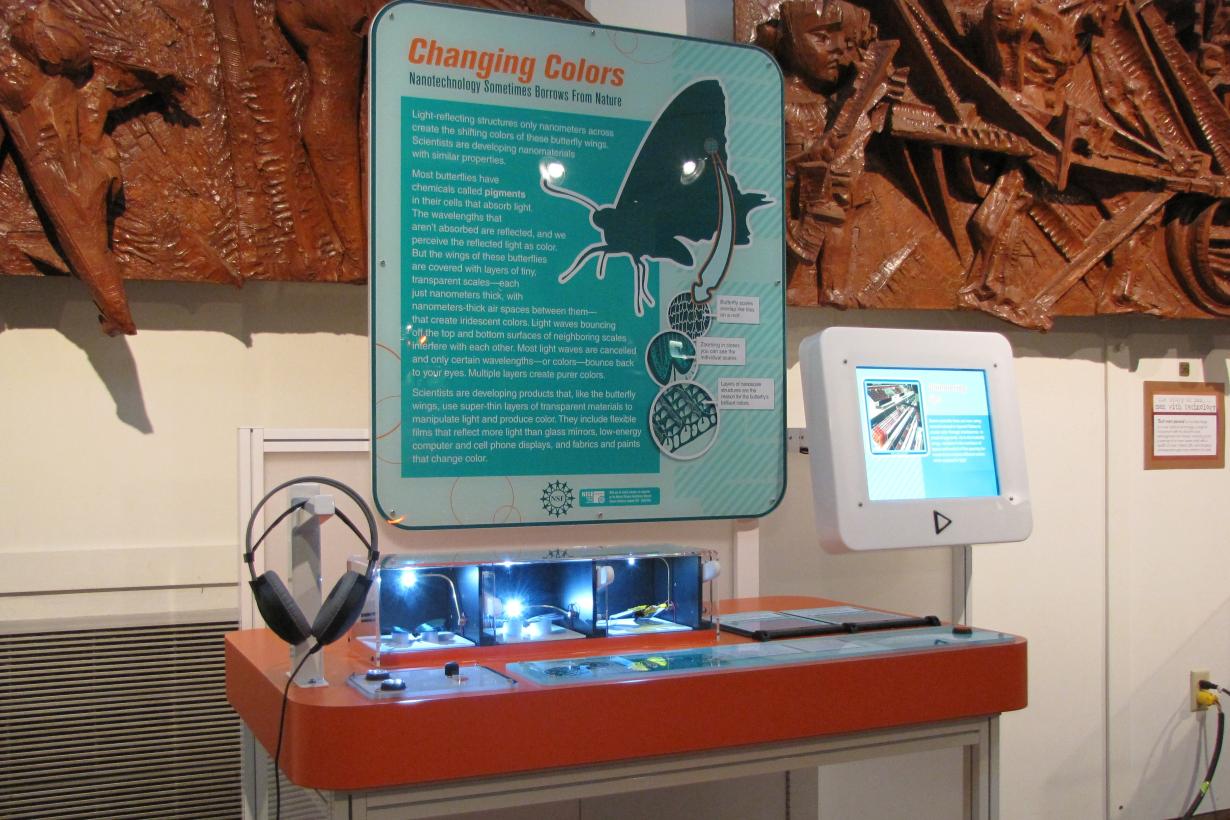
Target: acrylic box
column 416, row 607
column 639, row 593
column 537, row 600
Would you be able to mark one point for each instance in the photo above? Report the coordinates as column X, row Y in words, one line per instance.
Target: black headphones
column 344, row 603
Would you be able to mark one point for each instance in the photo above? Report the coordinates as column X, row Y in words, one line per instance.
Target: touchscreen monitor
column 914, row 438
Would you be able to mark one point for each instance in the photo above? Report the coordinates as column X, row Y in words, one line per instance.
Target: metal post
column 305, row 574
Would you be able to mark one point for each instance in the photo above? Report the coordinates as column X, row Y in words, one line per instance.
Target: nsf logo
column 557, row 499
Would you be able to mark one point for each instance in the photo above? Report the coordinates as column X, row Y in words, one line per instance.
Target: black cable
column 353, row 528
column 277, row 755
column 1208, row 775
column 372, row 543
column 373, row 556
column 250, row 554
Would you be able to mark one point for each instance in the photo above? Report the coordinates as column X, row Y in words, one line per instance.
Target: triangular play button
column 941, row 521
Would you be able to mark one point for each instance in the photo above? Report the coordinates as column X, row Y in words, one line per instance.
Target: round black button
column 377, row 674
column 963, row 630
column 452, row 669
column 393, row 685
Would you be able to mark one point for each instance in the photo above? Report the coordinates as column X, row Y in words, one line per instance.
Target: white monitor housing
column 915, row 438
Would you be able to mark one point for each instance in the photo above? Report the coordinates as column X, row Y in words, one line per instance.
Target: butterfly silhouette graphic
column 677, row 187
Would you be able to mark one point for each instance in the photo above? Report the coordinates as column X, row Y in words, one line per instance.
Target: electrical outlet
column 1197, row 675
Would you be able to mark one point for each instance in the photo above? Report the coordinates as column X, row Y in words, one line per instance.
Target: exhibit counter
column 581, row 712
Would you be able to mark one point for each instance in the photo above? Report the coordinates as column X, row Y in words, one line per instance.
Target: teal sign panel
column 577, row 274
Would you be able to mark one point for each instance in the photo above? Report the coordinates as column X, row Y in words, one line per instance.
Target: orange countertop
column 337, row 739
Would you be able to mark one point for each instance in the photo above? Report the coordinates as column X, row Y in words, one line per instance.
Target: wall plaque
column 1184, row 425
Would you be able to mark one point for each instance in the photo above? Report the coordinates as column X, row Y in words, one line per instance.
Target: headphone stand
column 305, row 574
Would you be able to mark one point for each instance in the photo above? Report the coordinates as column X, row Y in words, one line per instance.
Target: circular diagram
column 683, row 421
column 688, row 316
column 670, row 356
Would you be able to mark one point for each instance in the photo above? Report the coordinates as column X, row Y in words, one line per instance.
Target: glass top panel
column 645, row 665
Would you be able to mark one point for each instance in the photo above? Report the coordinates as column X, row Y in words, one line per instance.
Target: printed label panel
column 562, row 216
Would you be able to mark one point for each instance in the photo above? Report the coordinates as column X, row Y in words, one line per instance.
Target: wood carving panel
column 199, row 140
column 1027, row 158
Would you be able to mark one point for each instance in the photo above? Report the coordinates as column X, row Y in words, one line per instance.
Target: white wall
column 654, row 15
column 119, row 454
column 1168, row 597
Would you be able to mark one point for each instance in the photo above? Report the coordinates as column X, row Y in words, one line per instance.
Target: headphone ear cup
column 341, row 608
column 277, row 606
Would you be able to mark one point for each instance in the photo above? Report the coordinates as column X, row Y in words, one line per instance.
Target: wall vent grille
column 123, row 722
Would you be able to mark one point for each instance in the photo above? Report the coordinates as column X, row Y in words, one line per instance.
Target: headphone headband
column 373, row 554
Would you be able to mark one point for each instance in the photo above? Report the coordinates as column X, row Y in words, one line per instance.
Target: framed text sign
column 1184, row 426
column 577, row 298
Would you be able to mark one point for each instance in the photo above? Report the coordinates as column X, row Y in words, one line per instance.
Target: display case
column 639, row 593
column 419, row 604
column 537, row 600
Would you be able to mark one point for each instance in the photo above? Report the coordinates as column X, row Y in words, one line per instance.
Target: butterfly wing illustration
column 677, row 188
column 669, row 191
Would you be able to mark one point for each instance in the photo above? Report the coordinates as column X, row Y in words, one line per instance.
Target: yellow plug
column 1206, row 698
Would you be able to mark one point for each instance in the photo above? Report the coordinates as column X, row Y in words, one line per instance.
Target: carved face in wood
column 820, row 39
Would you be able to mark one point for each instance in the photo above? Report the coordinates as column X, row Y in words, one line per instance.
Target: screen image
column 894, row 417
column 926, row 433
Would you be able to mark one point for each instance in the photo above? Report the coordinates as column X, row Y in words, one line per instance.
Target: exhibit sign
column 1184, row 426
column 577, row 273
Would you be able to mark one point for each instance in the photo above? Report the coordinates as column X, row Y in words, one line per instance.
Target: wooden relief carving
column 200, row 140
column 1027, row 158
